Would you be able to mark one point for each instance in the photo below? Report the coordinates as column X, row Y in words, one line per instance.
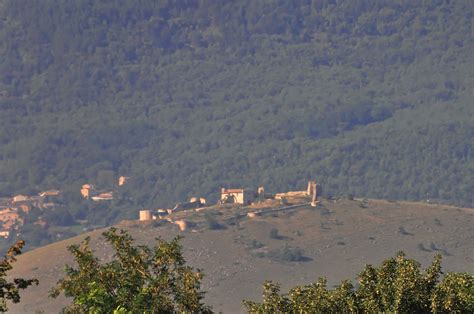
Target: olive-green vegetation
column 397, row 286
column 370, row 98
column 10, row 290
column 138, row 279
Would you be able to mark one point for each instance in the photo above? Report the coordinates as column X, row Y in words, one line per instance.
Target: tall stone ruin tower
column 313, row 192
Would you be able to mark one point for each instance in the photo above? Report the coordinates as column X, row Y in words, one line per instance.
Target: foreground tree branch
column 11, row 290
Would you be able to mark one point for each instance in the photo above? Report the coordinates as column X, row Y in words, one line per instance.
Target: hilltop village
column 14, row 210
column 244, row 202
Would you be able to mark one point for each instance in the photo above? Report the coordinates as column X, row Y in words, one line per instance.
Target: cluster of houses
column 11, row 209
column 228, row 196
column 90, row 191
column 240, row 196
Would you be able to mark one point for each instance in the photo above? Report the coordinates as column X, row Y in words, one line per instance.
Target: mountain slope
column 334, row 240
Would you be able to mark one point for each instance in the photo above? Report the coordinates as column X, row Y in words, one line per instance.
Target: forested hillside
column 372, row 98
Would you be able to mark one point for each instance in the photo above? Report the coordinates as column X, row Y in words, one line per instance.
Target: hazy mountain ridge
column 368, row 98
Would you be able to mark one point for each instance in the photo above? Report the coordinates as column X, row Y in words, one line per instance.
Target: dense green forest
column 371, row 98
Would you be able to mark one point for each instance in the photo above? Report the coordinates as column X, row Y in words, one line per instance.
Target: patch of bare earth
column 336, row 240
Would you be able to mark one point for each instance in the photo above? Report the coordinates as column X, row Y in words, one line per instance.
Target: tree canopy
column 396, row 286
column 138, row 279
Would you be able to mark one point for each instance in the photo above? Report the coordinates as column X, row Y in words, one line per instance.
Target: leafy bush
column 274, row 234
column 422, row 247
column 325, row 212
column 398, row 285
column 402, row 231
column 287, row 254
column 255, row 244
column 213, row 224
